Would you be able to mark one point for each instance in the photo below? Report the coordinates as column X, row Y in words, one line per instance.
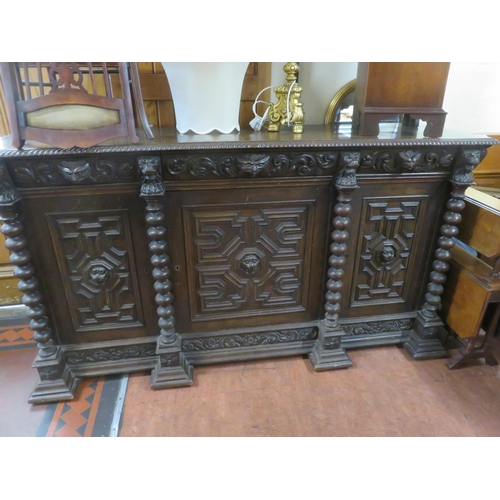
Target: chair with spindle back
column 70, row 104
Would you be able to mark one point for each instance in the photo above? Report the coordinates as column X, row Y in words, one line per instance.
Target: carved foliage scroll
column 407, row 160
column 248, row 340
column 387, row 237
column 110, row 354
column 251, row 165
column 95, row 254
column 247, row 259
column 378, row 327
column 73, row 172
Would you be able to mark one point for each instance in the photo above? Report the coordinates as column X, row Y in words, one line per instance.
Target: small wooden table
column 472, row 293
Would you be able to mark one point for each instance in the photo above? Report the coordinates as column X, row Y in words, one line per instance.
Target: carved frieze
column 73, row 172
column 248, row 340
column 408, row 160
column 110, row 354
column 378, row 327
column 251, row 165
column 95, row 253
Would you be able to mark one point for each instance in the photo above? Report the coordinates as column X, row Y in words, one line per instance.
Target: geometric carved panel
column 247, row 259
column 386, row 238
column 94, row 253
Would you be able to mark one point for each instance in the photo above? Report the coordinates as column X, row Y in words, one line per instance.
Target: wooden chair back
column 38, row 92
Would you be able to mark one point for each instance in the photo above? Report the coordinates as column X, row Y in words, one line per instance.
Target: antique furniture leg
column 136, row 89
column 56, row 382
column 171, row 370
column 434, row 123
column 327, row 353
column 424, row 342
column 124, row 78
column 470, row 351
column 11, row 97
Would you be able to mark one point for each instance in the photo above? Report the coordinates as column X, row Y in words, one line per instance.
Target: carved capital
column 469, row 160
column 8, row 191
column 349, row 164
column 151, row 176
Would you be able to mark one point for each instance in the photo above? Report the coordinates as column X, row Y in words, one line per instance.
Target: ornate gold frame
column 337, row 100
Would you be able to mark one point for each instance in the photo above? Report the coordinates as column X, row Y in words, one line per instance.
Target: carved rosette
column 461, row 180
column 345, row 184
column 16, row 243
column 251, row 165
column 152, row 191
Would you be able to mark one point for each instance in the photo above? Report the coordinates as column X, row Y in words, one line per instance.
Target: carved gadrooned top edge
column 204, row 146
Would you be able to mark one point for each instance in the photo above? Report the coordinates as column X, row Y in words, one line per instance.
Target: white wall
column 472, row 97
column 320, row 81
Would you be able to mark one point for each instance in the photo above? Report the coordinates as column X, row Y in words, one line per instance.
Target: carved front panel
column 386, row 240
column 247, row 259
column 95, row 256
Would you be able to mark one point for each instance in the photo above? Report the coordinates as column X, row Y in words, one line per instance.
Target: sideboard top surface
column 314, row 136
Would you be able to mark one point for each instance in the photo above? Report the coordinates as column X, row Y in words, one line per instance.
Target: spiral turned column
column 56, row 379
column 327, row 353
column 16, row 243
column 425, row 339
column 161, row 272
column 171, row 369
column 442, row 255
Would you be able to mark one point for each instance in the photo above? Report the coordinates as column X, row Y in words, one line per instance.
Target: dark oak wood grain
column 187, row 250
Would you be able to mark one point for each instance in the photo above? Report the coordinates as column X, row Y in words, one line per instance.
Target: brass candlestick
column 280, row 113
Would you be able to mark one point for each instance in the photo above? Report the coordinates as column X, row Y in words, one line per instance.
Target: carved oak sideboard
column 189, row 250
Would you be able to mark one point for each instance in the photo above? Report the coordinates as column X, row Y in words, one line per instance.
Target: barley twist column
column 171, row 370
column 161, row 272
column 56, row 380
column 425, row 342
column 16, row 243
column 327, row 353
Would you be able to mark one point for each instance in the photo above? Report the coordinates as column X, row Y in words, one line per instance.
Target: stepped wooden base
column 425, row 339
column 334, row 359
column 327, row 353
column 57, row 382
column 172, row 369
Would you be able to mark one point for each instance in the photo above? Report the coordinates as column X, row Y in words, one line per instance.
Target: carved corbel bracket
column 151, row 176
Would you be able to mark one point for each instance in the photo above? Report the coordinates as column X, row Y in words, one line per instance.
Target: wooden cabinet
column 190, row 250
column 387, row 89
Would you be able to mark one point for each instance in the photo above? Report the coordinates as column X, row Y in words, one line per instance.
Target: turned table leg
column 470, row 351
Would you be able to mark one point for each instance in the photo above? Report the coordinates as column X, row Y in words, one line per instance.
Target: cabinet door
column 249, row 256
column 92, row 260
column 395, row 226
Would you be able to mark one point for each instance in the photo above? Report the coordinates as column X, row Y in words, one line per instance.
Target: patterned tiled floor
column 16, row 336
column 91, row 413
